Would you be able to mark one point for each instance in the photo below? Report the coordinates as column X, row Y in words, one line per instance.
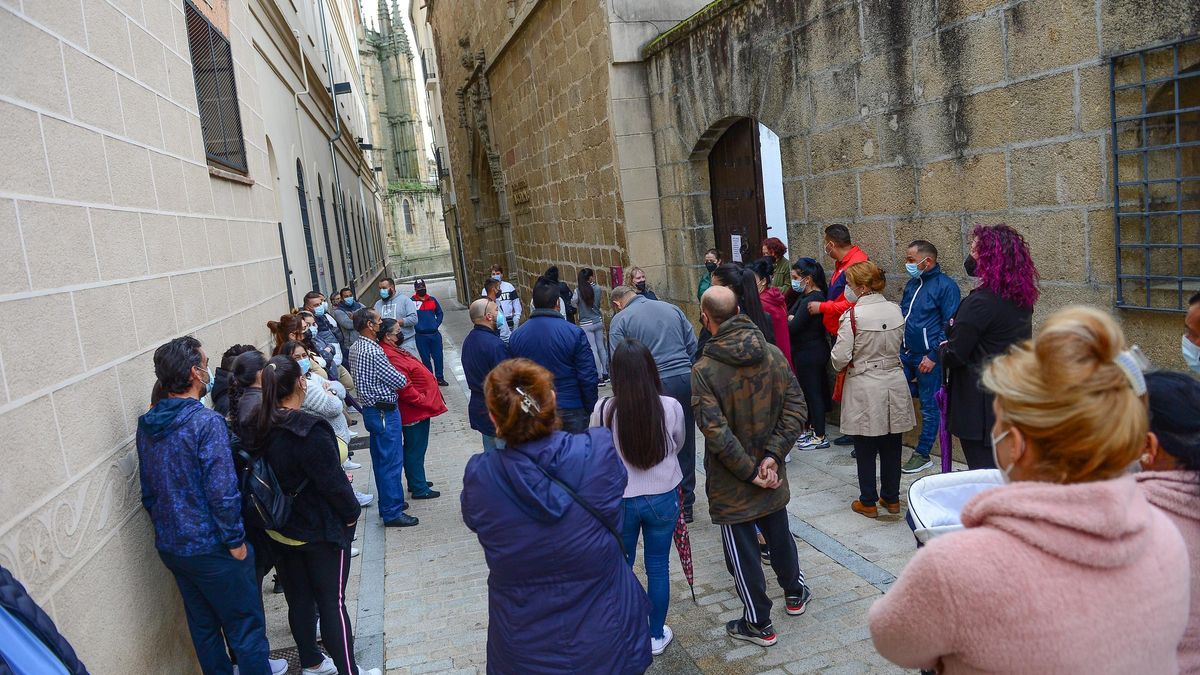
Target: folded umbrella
column 683, row 544
column 943, row 400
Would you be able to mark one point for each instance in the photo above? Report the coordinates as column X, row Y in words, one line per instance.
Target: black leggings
column 315, row 577
column 814, row 382
column 978, row 453
column 887, row 447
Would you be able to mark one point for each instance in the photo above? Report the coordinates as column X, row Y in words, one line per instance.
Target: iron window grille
column 1155, row 107
column 216, row 91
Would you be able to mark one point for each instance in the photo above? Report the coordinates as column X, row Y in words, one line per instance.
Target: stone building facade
column 918, row 119
column 131, row 215
column 417, row 242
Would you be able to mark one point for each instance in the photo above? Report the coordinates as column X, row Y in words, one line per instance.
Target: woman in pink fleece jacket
column 1068, row 569
column 1170, row 478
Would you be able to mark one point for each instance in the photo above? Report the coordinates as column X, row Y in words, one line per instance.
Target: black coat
column 810, row 341
column 302, row 446
column 984, row 325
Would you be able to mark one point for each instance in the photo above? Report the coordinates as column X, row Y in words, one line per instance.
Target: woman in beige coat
column 876, row 404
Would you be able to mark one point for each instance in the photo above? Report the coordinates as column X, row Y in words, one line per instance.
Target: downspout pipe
column 337, row 179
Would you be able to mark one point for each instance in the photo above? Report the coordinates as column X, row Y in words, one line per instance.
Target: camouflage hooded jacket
column 748, row 405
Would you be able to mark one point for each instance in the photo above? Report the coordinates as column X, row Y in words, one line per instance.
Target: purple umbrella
column 942, row 399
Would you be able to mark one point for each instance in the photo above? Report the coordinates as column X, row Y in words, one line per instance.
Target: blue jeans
column 491, row 442
column 387, row 459
column 221, row 595
column 574, row 420
column 655, row 515
column 924, row 386
column 416, row 442
column 430, row 347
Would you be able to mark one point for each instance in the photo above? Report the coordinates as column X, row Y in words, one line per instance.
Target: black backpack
column 265, row 503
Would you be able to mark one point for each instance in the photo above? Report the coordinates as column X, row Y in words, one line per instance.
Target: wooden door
column 735, row 173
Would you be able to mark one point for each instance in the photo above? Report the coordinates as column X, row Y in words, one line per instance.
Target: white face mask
column 996, row 457
column 851, row 296
column 1191, row 355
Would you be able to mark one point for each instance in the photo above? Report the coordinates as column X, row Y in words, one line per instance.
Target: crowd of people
column 263, row 479
column 588, row 446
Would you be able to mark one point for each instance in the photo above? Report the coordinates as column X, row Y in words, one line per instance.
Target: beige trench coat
column 875, row 396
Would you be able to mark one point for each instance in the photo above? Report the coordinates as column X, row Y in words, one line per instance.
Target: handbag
column 840, row 382
column 586, row 506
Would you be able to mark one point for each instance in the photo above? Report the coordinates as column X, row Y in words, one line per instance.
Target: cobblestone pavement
column 435, row 590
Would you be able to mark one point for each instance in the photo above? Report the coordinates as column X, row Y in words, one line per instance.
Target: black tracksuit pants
column 315, row 580
column 743, row 561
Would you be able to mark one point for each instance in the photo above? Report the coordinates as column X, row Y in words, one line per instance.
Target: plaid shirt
column 374, row 376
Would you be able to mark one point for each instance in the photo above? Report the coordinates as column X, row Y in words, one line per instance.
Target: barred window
column 216, row 92
column 1155, row 100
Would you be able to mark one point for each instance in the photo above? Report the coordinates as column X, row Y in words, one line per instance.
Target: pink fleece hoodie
column 1085, row 578
column 1177, row 493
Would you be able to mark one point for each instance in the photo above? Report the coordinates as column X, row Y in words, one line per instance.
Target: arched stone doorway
column 746, row 187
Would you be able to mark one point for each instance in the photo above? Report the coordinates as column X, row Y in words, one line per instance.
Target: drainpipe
column 337, row 180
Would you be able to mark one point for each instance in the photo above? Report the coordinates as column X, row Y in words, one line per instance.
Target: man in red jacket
column 839, row 247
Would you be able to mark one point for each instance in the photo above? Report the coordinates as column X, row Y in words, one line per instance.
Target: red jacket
column 421, row 399
column 773, row 305
column 832, row 309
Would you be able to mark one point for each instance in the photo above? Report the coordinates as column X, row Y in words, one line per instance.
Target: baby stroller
column 935, row 502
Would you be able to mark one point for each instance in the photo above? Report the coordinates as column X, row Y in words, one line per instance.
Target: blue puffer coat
column 54, row 649
column 562, row 348
column 561, row 598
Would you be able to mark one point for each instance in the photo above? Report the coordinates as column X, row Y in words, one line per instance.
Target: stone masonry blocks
column 975, row 183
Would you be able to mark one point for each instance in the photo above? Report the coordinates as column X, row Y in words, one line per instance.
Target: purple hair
column 1004, row 265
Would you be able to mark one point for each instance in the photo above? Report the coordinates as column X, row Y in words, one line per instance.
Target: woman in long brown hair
column 648, row 441
column 288, row 327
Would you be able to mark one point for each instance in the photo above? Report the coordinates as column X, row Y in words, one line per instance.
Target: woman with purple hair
column 994, row 316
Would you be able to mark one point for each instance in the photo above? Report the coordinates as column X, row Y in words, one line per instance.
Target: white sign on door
column 735, row 246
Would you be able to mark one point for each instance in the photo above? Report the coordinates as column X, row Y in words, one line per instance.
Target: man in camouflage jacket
column 750, row 409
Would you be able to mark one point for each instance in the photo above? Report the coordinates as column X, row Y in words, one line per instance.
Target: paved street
column 434, row 595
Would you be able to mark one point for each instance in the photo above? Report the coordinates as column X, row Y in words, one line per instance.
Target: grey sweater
column 664, row 330
column 588, row 313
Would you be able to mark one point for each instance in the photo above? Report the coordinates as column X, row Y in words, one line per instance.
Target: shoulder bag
column 841, row 376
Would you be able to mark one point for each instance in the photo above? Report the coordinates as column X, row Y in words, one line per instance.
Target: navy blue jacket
column 16, row 602
column 429, row 314
column 481, row 351
column 189, row 485
column 561, row 598
column 562, row 348
column 929, row 302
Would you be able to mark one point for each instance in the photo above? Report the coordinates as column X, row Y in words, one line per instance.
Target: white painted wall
column 772, row 170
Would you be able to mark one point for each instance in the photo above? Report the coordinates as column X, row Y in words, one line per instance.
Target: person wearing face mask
column 288, row 327
column 190, row 490
column 394, row 305
column 491, row 291
column 482, row 350
column 638, row 276
column 428, row 330
column 810, row 350
column 326, row 325
column 773, row 304
column 876, row 406
column 509, row 301
column 1191, row 335
column 776, row 250
column 997, row 314
column 712, row 260
column 930, row 300
column 419, row 402
column 839, row 247
column 343, row 313
column 1068, row 568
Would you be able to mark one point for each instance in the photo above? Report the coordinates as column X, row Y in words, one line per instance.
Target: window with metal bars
column 216, row 91
column 304, row 222
column 1155, row 101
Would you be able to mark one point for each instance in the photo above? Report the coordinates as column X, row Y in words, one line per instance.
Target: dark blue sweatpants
column 430, row 347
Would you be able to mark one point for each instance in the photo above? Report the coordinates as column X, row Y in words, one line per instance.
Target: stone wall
column 915, row 118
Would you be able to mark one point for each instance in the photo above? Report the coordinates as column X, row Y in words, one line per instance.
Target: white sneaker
column 326, row 668
column 364, row 499
column 354, row 552
column 278, row 666
column 351, row 466
column 353, row 434
column 658, row 646
column 788, row 459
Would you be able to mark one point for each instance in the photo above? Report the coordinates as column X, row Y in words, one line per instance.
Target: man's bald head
column 479, row 311
column 719, row 304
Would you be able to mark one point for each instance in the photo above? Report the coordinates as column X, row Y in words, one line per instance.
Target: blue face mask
column 1191, row 355
column 348, row 300
column 320, row 310
column 384, row 293
column 913, row 270
column 312, row 330
column 497, row 277
column 304, row 364
column 797, row 286
column 212, row 379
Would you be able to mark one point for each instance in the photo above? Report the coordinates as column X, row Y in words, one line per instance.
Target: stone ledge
column 231, row 176
column 688, row 26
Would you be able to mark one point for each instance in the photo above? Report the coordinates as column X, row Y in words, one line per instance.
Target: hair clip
column 1132, row 362
column 528, row 405
column 271, row 366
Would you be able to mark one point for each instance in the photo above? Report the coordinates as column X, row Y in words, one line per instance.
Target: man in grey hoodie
column 668, row 334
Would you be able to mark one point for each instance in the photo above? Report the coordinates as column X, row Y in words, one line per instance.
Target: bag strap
column 249, row 460
column 586, row 507
column 603, row 405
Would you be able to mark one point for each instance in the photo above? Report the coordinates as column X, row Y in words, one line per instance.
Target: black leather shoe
column 843, row 440
column 402, row 520
column 432, row 494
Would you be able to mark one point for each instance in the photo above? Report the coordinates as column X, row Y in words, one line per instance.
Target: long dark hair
column 288, row 347
column 280, row 379
column 587, row 296
column 245, row 370
column 813, row 270
column 741, row 281
column 642, row 434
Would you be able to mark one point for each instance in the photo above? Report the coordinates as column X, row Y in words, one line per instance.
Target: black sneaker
column 796, row 604
column 740, row 629
column 432, row 494
column 276, row 587
column 443, row 383
column 687, row 515
column 765, row 553
column 402, row 520
column 843, row 440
